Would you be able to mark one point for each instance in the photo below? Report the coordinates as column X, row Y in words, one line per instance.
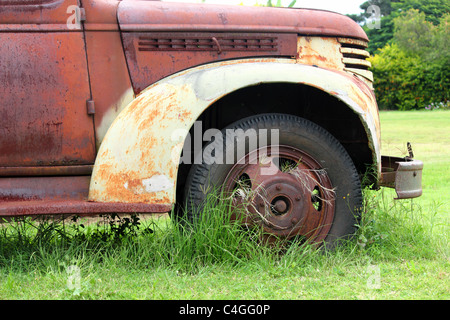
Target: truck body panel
column 98, row 96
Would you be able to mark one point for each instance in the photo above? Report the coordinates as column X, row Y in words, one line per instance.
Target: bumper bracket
column 402, row 174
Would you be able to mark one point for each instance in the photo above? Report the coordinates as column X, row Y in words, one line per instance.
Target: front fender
column 138, row 159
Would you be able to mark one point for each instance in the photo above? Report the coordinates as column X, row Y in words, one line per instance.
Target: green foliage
column 434, row 10
column 406, row 82
column 279, row 4
column 415, row 35
column 380, row 37
column 412, row 70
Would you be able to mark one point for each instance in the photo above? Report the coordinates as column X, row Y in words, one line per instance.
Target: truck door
column 44, row 85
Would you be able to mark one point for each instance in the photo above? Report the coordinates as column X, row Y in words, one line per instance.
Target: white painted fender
column 138, row 159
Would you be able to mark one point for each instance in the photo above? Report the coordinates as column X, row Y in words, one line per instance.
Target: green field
column 429, row 133
column 400, row 252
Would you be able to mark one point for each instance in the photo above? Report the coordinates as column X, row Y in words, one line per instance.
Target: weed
column 112, row 228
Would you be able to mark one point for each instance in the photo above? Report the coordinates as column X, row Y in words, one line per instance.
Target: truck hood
column 156, row 16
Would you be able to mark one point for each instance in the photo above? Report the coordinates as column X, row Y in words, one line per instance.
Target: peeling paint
column 150, row 185
column 157, row 183
column 320, row 51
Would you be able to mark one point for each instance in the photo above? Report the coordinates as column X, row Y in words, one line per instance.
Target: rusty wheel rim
column 283, row 190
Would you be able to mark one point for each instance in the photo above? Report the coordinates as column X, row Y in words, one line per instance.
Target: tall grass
column 213, row 239
column 387, row 227
column 398, row 228
column 389, row 231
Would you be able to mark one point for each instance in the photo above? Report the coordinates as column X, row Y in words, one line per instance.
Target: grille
column 354, row 57
column 208, row 43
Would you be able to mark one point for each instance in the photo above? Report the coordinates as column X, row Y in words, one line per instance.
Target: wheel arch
column 137, row 161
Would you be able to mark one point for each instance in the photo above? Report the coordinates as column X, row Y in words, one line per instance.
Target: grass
column 400, row 251
column 429, row 133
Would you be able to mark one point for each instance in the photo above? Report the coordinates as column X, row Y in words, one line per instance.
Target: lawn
column 429, row 133
column 400, row 252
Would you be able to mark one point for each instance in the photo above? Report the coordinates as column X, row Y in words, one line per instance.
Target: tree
column 396, row 78
column 417, row 36
column 434, row 10
column 414, row 70
column 382, row 35
column 413, row 33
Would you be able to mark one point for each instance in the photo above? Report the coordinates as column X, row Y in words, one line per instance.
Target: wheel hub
column 280, row 205
column 296, row 199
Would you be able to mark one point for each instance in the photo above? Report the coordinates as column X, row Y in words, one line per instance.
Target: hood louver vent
column 164, row 42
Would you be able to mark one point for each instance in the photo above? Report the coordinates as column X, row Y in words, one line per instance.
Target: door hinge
column 90, row 106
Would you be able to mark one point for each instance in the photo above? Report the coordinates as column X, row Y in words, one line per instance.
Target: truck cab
column 114, row 107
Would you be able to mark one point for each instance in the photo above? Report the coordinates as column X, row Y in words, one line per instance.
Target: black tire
column 303, row 136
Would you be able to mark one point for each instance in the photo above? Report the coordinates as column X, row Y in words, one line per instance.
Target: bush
column 413, row 72
column 405, row 82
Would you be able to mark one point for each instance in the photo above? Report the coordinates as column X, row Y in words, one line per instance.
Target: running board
column 23, row 196
column 80, row 207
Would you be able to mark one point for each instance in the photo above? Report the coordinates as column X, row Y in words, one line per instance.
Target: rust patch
column 319, row 51
column 43, row 90
column 123, row 187
column 44, row 188
column 78, row 207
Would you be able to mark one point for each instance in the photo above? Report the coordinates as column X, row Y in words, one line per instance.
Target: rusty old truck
column 111, row 106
